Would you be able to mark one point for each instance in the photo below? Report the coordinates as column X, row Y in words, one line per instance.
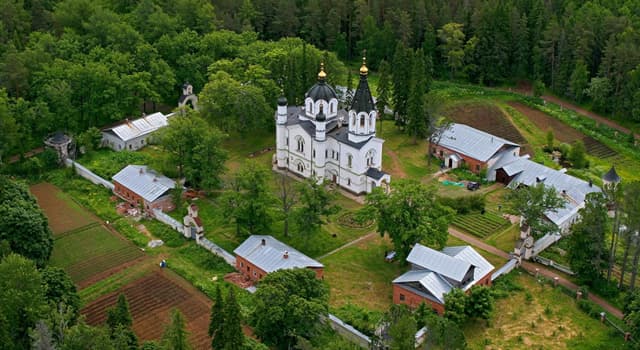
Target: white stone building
column 133, row 135
column 320, row 140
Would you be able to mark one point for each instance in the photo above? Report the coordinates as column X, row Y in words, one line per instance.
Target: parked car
column 472, row 185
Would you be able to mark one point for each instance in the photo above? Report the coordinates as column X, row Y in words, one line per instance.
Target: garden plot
column 563, row 132
column 94, row 251
column 488, row 118
column 151, row 299
column 63, row 213
column 481, row 225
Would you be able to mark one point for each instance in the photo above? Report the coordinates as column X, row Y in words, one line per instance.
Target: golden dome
column 364, row 70
column 322, row 75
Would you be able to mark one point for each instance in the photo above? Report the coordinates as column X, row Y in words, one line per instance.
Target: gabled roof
column 473, row 142
column 429, row 280
column 270, row 256
column 470, row 255
column 443, row 264
column 529, row 173
column 129, row 130
column 144, row 182
column 433, row 270
column 375, row 173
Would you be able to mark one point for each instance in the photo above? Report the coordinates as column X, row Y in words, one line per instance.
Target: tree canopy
column 409, row 214
column 289, row 304
column 532, row 202
column 23, row 223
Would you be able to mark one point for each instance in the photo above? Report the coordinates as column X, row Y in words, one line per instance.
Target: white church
column 320, row 141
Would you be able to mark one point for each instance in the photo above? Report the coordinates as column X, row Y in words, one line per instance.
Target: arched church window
column 362, row 122
column 349, row 160
column 300, row 144
column 300, row 167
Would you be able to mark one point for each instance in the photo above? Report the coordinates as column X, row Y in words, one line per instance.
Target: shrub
column 590, row 308
column 464, row 205
column 360, row 318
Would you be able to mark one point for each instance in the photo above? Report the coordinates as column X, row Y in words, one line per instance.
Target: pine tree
column 416, row 121
column 400, row 80
column 119, row 314
column 383, row 90
column 216, row 324
column 175, row 335
column 232, row 331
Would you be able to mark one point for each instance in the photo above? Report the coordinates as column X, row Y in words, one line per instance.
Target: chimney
column 264, row 242
column 286, row 255
column 590, row 183
column 141, row 171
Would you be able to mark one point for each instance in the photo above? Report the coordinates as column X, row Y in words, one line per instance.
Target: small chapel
column 319, row 140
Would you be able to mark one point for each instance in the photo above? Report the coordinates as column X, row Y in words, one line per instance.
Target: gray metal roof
column 473, row 142
column 611, row 175
column 362, row 100
column 129, row 130
column 429, row 280
column 470, row 255
column 144, row 182
column 438, row 262
column 375, row 173
column 270, row 256
column 530, row 173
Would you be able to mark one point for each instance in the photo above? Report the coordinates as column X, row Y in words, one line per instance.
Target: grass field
column 359, row 275
column 539, row 317
column 90, row 252
column 63, row 213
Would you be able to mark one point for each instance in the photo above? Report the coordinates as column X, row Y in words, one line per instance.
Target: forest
column 75, row 64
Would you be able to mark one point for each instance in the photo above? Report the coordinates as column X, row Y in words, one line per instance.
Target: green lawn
column 540, row 317
column 359, row 275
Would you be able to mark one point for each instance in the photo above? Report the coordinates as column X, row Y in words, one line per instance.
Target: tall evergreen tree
column 401, row 79
column 587, row 252
column 216, row 321
column 232, row 331
column 175, row 336
column 417, row 126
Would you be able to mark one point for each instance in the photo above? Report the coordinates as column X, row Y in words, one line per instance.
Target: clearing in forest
column 151, row 298
column 64, row 213
column 563, row 132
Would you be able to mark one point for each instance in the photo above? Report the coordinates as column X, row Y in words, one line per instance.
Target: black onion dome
column 362, row 100
column 282, row 101
column 321, row 91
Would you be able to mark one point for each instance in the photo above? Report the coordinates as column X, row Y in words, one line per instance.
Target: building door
column 450, row 163
column 334, row 178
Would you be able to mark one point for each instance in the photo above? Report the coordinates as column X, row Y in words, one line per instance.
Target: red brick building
column 464, row 146
column 144, row 188
column 259, row 255
column 433, row 274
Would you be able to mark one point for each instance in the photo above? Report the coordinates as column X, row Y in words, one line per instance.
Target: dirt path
column 535, row 268
column 396, row 169
column 588, row 114
column 347, row 245
column 568, row 105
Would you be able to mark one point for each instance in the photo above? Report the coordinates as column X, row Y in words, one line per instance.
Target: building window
column 255, row 274
column 142, row 142
column 326, row 153
column 313, row 154
column 349, row 160
column 241, row 264
column 248, row 269
column 477, row 167
column 401, row 297
column 300, row 167
column 286, row 141
column 362, row 122
column 300, row 146
column 130, row 146
column 348, row 182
